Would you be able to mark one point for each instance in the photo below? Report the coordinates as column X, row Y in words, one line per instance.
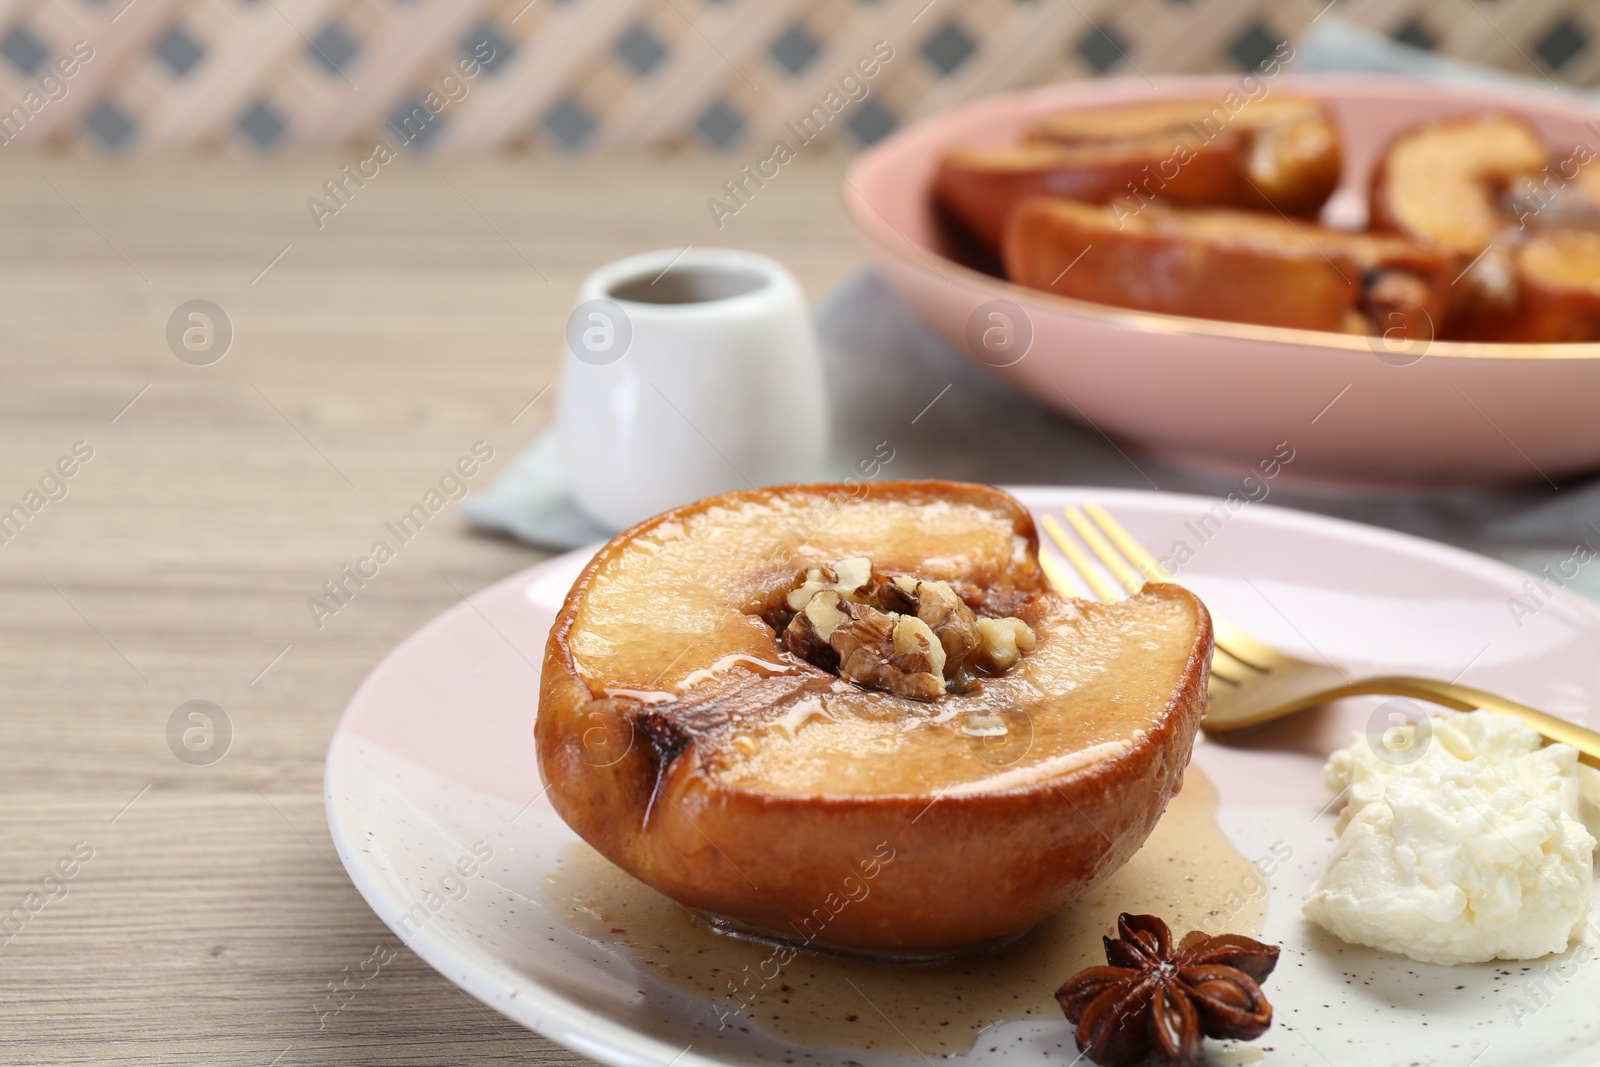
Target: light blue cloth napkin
column 894, row 384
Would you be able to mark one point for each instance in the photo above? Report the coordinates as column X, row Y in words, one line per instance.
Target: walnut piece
column 1003, row 643
column 913, row 637
column 851, row 578
column 807, row 636
column 948, row 616
column 909, row 636
column 881, row 650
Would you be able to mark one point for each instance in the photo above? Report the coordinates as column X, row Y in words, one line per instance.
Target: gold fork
column 1251, row 681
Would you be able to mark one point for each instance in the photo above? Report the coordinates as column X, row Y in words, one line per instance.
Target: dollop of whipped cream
column 1475, row 850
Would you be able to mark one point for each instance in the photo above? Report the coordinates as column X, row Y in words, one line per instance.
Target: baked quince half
column 1285, row 149
column 857, row 717
column 1521, row 225
column 1445, row 184
column 1240, row 266
column 1278, row 154
column 980, row 187
column 1558, row 289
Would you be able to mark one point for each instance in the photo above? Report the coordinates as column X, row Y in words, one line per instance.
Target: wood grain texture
column 213, row 913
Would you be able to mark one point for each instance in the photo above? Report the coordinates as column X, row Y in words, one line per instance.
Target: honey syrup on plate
column 1188, row 873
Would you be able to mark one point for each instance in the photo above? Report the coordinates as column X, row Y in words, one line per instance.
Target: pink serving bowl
column 1222, row 394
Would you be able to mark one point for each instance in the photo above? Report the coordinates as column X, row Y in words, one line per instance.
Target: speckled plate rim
column 595, row 1035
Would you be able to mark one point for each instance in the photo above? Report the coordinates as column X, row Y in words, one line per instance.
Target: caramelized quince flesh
column 1288, row 147
column 1223, row 264
column 675, row 621
column 1565, row 258
column 1442, row 183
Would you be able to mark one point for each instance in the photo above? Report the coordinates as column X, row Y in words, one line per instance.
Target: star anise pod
column 1151, row 998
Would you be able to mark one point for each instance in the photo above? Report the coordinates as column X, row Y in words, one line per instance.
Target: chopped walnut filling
column 851, row 578
column 912, row 637
column 810, row 635
column 883, row 650
column 1002, row 643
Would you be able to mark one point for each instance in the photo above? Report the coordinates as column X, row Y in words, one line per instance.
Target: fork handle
column 1465, row 698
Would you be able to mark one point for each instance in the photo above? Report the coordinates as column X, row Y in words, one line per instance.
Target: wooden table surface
column 423, row 317
column 175, row 563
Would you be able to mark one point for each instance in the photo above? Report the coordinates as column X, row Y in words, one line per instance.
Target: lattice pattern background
column 473, row 76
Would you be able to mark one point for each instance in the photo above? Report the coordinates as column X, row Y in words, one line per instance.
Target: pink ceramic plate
column 437, row 812
column 1227, row 393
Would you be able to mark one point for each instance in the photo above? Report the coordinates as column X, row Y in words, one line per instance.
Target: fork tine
column 1230, row 639
column 1225, row 667
column 1124, row 540
column 1107, row 555
column 1061, row 579
column 1080, row 563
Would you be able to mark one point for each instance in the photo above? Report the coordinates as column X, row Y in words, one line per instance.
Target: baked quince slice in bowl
column 1219, row 263
column 857, row 717
column 1444, row 184
column 1279, row 155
